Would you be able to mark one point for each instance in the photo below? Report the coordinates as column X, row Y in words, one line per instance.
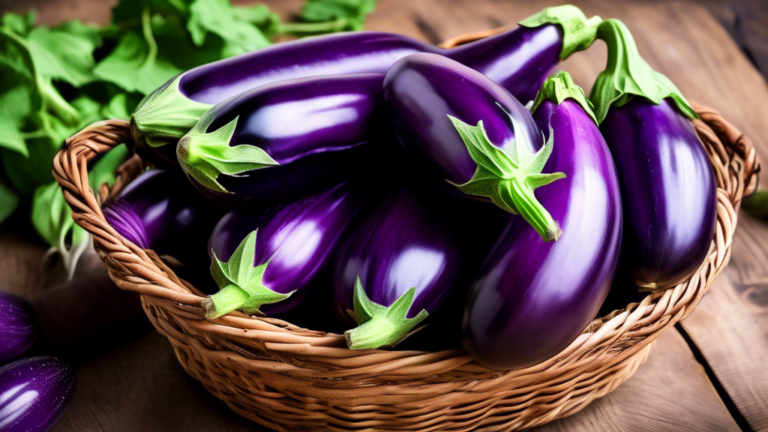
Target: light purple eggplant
column 268, row 262
column 533, row 298
column 519, row 60
column 33, row 393
column 18, row 328
column 667, row 184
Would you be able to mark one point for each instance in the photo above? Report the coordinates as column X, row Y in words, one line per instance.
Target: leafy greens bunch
column 56, row 80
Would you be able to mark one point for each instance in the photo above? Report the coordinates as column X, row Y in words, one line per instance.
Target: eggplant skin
column 19, row 327
column 422, row 90
column 669, row 191
column 298, row 240
column 532, row 298
column 34, row 393
column 404, row 244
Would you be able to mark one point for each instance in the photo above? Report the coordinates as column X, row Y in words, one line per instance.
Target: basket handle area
column 143, row 272
column 130, row 267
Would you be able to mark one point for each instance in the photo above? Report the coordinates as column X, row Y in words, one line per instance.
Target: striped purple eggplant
column 434, row 104
column 268, row 262
column 282, row 139
column 533, row 298
column 669, row 189
column 18, row 328
column 33, row 393
column 396, row 269
column 519, row 59
column 160, row 211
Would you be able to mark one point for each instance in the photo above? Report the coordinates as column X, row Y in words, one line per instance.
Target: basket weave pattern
column 290, row 378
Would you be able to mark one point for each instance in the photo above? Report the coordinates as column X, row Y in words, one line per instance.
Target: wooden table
column 706, row 374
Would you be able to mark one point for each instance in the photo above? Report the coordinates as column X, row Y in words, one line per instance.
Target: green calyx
column 561, row 87
column 578, row 31
column 627, row 74
column 509, row 177
column 240, row 283
column 379, row 325
column 207, row 155
column 165, row 116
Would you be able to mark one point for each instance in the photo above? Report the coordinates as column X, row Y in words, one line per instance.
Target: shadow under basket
column 290, row 378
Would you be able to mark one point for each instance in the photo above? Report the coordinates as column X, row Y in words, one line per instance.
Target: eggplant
column 669, row 189
column 396, row 269
column 34, row 393
column 160, row 211
column 434, row 103
column 519, row 59
column 279, row 140
column 260, row 259
column 532, row 298
column 18, row 324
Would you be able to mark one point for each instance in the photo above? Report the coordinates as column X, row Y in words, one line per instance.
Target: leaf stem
column 146, row 29
column 228, row 299
column 522, row 195
column 307, row 28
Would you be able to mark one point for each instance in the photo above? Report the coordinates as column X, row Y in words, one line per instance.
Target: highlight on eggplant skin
column 283, row 139
column 519, row 60
column 396, row 269
column 34, row 393
column 462, row 126
column 18, row 326
column 669, row 188
column 532, row 298
column 291, row 245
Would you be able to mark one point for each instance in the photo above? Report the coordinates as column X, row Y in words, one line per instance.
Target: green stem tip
column 627, row 74
column 381, row 325
column 240, row 283
column 560, row 87
column 579, row 32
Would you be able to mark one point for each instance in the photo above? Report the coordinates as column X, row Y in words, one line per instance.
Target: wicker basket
column 290, row 378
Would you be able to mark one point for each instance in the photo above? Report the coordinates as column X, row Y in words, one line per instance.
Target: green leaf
column 756, row 204
column 10, row 136
column 84, row 31
column 103, row 171
column 207, row 155
column 9, row 200
column 217, row 16
column 561, row 87
column 26, row 173
column 128, row 11
column 19, row 95
column 134, row 65
column 509, row 176
column 260, row 16
column 19, row 24
column 62, row 55
column 627, row 74
column 353, row 12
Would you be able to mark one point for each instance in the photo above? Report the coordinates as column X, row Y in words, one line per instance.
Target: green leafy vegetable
column 9, row 200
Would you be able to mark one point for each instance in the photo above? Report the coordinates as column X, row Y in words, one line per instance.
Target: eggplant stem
column 522, row 195
column 228, row 299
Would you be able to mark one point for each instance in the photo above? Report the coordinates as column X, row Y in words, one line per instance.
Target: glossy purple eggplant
column 34, row 393
column 281, row 252
column 434, row 104
column 533, row 298
column 18, row 329
column 518, row 59
column 159, row 210
column 667, row 184
column 282, row 139
column 397, row 268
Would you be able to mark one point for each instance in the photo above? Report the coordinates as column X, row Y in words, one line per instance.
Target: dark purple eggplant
column 272, row 260
column 669, row 189
column 18, row 329
column 282, row 139
column 519, row 59
column 533, row 298
column 33, row 393
column 433, row 105
column 396, row 269
column 160, row 211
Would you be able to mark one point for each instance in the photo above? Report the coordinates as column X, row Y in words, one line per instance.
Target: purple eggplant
column 260, row 259
column 433, row 105
column 519, row 59
column 396, row 269
column 669, row 189
column 33, row 393
column 532, row 298
column 281, row 139
column 18, row 328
